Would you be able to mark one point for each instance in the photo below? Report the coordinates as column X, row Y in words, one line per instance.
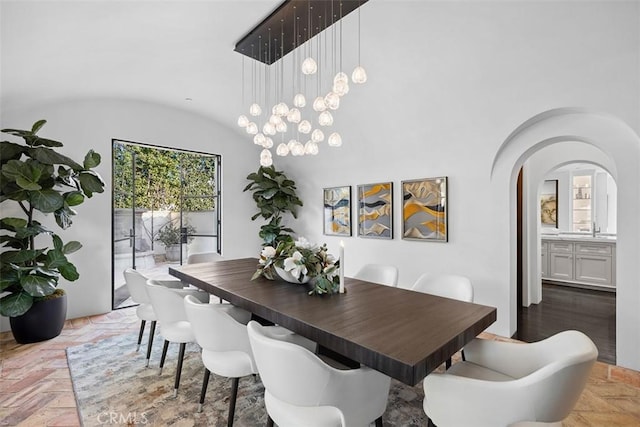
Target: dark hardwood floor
column 562, row 307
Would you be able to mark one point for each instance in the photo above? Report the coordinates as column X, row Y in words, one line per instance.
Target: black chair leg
column 164, row 355
column 232, row 401
column 151, row 333
column 462, row 353
column 183, row 346
column 379, row 422
column 142, row 323
column 203, row 392
column 430, row 423
column 269, row 421
column 447, row 364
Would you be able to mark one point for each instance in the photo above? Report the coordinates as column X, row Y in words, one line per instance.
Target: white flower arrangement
column 302, row 259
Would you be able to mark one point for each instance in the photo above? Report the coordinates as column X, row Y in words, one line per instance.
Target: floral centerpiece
column 304, row 261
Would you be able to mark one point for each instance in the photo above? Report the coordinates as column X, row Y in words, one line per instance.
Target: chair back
column 137, row 285
column 197, row 258
column 565, row 361
column 377, row 273
column 167, row 303
column 445, row 285
column 289, row 372
column 214, row 328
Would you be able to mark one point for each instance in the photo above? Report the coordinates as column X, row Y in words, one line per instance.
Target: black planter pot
column 43, row 321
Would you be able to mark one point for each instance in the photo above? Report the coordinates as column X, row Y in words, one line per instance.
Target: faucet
column 594, row 230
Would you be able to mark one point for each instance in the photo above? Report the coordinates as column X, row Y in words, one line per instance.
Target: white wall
column 92, row 124
column 459, row 80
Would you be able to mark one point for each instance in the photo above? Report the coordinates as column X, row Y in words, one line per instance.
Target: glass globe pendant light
column 325, row 118
column 359, row 75
column 268, row 142
column 269, row 129
column 309, row 66
column 317, row 135
column 265, row 158
column 252, row 128
column 304, row 127
column 243, row 121
column 274, row 119
column 281, row 127
column 292, row 143
column 294, row 116
column 298, row 149
column 311, row 148
column 332, row 100
column 255, row 109
column 335, row 140
column 259, row 139
column 319, row 105
column 299, row 100
column 282, row 150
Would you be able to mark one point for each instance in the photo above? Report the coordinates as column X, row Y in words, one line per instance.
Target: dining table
column 402, row 333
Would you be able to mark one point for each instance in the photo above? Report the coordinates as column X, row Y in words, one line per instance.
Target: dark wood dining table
column 399, row 332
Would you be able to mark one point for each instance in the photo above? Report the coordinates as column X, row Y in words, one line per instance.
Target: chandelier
column 296, row 78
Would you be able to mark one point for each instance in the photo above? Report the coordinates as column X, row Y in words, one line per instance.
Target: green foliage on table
column 301, row 259
column 40, row 180
column 274, row 194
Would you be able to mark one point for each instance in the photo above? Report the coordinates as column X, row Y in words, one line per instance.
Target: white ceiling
column 156, row 51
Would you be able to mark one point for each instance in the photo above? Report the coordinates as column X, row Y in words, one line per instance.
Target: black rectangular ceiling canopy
column 275, row 36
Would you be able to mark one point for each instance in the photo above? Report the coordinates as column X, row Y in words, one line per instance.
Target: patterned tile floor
column 35, row 385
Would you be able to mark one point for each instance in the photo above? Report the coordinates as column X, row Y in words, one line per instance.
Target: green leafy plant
column 39, row 179
column 274, row 194
column 170, row 234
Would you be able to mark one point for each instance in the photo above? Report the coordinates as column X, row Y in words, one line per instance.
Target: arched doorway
column 622, row 146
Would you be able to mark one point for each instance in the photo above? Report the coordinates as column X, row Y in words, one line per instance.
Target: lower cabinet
column 560, row 266
column 589, row 263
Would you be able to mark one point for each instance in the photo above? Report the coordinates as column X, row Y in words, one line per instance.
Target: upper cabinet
column 586, row 195
column 581, row 200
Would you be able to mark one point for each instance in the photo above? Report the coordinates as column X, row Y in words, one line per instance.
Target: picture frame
column 375, row 210
column 549, row 203
column 337, row 211
column 425, row 210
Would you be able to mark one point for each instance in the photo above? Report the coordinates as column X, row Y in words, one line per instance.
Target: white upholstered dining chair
column 378, row 273
column 509, row 384
column 221, row 332
column 136, row 283
column 302, row 390
column 445, row 285
column 174, row 325
column 452, row 286
column 200, row 257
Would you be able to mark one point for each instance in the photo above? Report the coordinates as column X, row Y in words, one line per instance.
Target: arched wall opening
column 621, row 146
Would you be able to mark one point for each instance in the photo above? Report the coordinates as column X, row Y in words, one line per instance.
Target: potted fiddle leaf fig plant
column 39, row 181
column 274, row 194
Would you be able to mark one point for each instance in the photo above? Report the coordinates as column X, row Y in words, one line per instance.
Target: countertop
column 603, row 238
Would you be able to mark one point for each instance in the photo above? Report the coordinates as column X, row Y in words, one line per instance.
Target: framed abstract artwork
column 375, row 210
column 424, row 209
column 337, row 211
column 549, row 203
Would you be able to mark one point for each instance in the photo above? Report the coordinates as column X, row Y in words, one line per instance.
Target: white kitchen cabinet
column 579, row 261
column 560, row 266
column 544, row 260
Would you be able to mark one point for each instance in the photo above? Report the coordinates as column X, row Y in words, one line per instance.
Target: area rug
column 113, row 387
